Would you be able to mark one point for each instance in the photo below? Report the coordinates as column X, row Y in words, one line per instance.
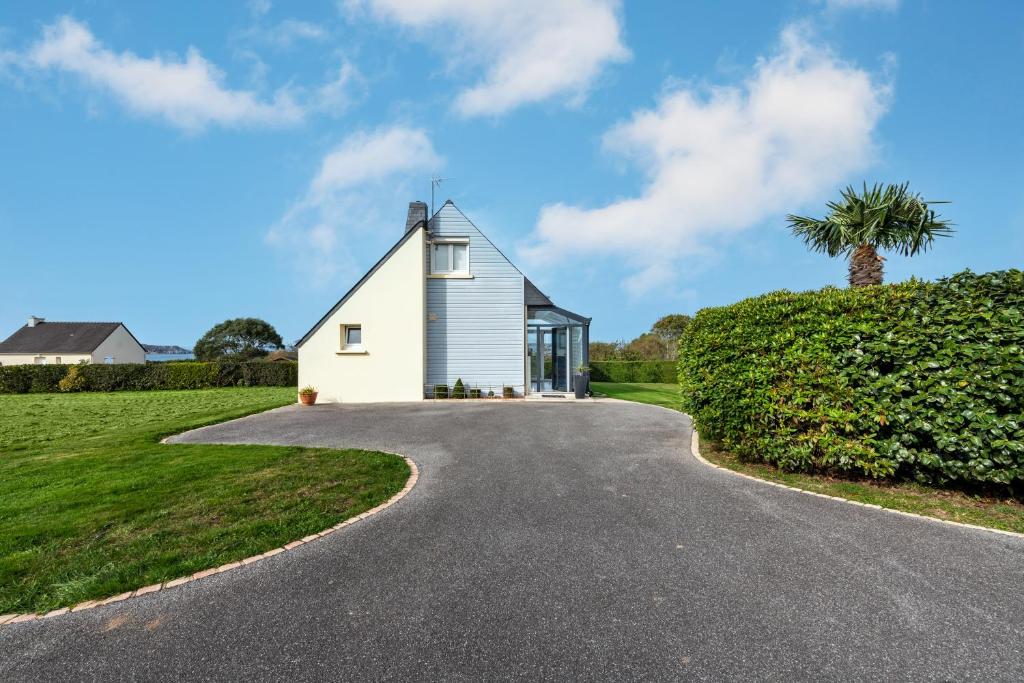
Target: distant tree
column 658, row 344
column 648, row 346
column 860, row 224
column 604, row 350
column 671, row 327
column 238, row 339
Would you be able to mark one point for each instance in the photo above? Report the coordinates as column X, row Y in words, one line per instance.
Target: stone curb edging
column 695, row 452
column 414, row 475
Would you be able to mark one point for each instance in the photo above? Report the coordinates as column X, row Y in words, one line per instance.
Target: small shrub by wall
column 22, row 379
column 647, row 371
column 920, row 380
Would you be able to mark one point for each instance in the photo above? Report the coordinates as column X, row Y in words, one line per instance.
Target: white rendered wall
column 389, row 308
column 51, row 358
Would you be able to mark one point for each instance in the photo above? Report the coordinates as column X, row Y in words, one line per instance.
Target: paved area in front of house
column 562, row 541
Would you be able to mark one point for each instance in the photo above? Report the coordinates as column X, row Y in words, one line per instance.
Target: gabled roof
column 58, row 337
column 448, row 202
column 411, row 231
column 533, row 296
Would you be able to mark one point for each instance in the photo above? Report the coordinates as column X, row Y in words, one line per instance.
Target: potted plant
column 581, row 380
column 307, row 395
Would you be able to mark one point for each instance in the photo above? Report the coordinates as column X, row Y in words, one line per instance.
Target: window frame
column 451, row 243
column 345, row 347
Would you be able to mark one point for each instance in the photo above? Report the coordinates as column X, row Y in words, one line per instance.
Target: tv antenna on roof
column 435, row 183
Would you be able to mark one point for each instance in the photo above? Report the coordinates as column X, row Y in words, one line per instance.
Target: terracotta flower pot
column 308, row 399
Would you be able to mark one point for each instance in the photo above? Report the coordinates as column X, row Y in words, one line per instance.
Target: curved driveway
column 563, row 541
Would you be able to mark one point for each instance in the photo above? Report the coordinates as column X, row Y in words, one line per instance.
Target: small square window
column 351, row 337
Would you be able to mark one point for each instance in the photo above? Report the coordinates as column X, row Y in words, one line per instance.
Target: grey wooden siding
column 474, row 326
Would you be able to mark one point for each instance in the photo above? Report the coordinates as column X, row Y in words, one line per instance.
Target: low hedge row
column 22, row 379
column 920, row 380
column 659, row 371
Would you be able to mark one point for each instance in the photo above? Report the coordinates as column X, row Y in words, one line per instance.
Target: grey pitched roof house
column 41, row 342
column 444, row 304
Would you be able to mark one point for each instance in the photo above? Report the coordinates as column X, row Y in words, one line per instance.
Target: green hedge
column 920, row 379
column 21, row 379
column 663, row 371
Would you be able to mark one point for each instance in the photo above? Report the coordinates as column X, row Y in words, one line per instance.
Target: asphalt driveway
column 562, row 541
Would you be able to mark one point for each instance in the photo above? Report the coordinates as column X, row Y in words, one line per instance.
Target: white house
column 44, row 343
column 443, row 304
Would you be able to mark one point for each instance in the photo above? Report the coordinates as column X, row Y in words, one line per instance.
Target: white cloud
column 888, row 5
column 188, row 93
column 345, row 85
column 721, row 161
column 369, row 157
column 532, row 50
column 259, row 7
column 362, row 187
column 291, row 30
column 282, row 35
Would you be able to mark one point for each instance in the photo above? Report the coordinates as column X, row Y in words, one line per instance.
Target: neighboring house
column 281, row 356
column 45, row 343
column 443, row 304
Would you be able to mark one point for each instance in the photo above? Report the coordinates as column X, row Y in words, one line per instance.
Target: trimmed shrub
column 921, row 380
column 459, row 390
column 191, row 375
column 21, row 379
column 72, row 381
column 631, row 371
column 266, row 374
column 440, row 391
column 24, row 379
column 508, row 392
column 474, row 393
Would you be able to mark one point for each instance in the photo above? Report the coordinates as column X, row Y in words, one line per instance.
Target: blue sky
column 172, row 165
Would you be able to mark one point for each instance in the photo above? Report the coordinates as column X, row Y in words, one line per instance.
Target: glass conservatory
column 557, row 342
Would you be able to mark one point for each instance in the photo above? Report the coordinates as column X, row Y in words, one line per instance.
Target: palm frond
column 881, row 216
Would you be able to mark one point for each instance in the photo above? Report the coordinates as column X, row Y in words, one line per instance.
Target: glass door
column 560, row 360
column 535, row 365
column 548, row 360
column 548, row 348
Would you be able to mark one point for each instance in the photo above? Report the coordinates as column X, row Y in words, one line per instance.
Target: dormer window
column 449, row 257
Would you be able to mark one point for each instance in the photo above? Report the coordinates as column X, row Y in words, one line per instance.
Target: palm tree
column 880, row 218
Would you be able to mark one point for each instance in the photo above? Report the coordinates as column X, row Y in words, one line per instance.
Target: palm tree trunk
column 865, row 266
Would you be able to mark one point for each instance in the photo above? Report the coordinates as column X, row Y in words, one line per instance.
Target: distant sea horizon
column 170, row 356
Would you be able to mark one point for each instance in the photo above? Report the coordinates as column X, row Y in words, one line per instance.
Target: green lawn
column 992, row 511
column 91, row 505
column 659, row 394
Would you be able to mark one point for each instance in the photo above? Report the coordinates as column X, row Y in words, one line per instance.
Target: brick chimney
column 417, row 213
column 34, row 320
